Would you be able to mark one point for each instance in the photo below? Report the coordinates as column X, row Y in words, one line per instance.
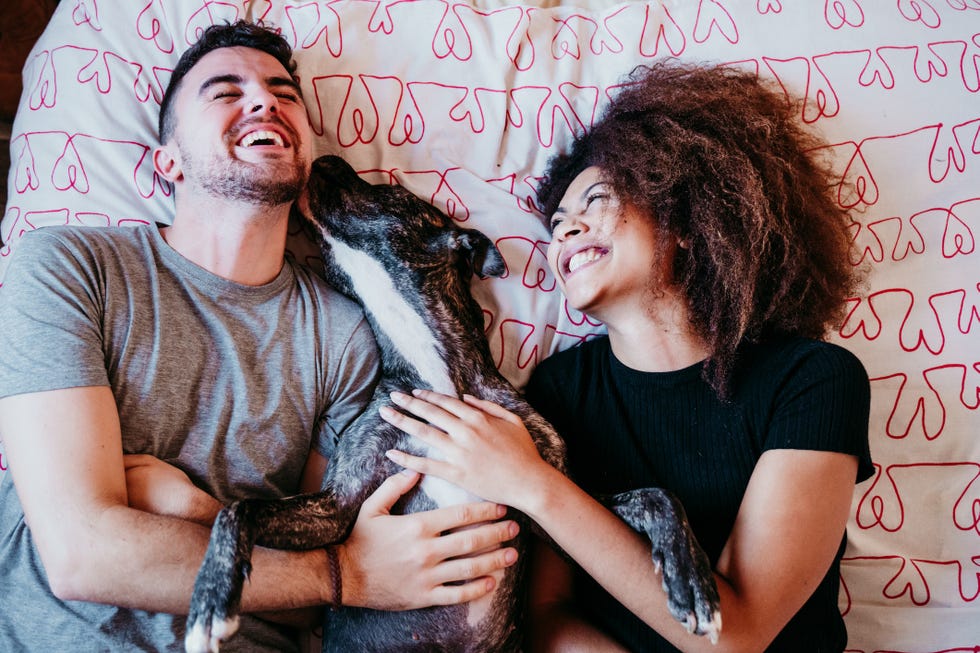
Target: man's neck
column 242, row 243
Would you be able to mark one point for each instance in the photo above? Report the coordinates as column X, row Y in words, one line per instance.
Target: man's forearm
column 137, row 560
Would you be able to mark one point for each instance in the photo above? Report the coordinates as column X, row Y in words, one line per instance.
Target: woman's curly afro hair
column 719, row 160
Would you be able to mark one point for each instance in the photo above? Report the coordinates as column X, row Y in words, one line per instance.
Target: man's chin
column 266, row 187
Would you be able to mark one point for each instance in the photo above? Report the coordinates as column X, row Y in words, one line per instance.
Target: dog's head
column 392, row 225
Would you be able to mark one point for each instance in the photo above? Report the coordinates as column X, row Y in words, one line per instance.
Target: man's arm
column 66, row 458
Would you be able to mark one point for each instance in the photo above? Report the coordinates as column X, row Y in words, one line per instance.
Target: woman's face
column 604, row 253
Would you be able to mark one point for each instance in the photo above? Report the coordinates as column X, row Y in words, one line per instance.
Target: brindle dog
column 410, row 267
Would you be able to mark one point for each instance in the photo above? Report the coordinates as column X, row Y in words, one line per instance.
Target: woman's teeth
column 583, row 257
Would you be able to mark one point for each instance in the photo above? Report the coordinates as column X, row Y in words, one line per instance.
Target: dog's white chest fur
column 410, row 335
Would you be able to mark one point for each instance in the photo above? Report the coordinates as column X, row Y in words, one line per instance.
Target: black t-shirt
column 627, row 429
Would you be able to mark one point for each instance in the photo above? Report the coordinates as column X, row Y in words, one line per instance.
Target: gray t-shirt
column 233, row 384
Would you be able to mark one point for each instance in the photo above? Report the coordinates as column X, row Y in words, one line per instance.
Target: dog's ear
column 477, row 253
column 336, row 172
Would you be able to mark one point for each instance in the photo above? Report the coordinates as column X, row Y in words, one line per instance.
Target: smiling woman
column 747, row 422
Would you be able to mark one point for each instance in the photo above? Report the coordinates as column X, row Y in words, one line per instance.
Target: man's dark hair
column 718, row 159
column 238, row 34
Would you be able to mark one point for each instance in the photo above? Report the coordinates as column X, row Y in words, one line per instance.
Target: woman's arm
column 786, row 534
column 554, row 625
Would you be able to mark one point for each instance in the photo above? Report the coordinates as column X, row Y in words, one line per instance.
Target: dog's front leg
column 213, row 616
column 296, row 523
column 692, row 595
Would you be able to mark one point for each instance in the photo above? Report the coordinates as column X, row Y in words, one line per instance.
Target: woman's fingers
column 490, row 408
column 419, row 464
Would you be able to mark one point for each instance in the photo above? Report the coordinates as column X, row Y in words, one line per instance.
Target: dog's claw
column 207, row 638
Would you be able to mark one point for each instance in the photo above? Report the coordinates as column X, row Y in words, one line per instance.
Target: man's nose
column 264, row 101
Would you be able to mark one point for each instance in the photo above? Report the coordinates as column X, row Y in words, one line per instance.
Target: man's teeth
column 263, row 137
column 583, row 257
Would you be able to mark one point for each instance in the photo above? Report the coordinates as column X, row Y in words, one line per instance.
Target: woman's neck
column 656, row 338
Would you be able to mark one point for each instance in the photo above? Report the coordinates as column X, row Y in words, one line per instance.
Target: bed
column 463, row 103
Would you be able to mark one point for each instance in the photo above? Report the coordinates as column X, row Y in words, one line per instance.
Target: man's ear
column 167, row 163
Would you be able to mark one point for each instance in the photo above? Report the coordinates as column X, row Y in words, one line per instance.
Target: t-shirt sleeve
column 50, row 318
column 354, row 379
column 824, row 405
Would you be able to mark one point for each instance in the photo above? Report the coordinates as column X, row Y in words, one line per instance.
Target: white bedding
column 464, row 104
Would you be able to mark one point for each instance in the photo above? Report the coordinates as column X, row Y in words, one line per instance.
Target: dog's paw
column 687, row 578
column 207, row 635
column 213, row 615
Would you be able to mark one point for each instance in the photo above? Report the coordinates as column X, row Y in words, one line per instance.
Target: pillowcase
column 464, row 103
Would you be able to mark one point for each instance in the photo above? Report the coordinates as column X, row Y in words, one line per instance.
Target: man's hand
column 402, row 562
column 162, row 489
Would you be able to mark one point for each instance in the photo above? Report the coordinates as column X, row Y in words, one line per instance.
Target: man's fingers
column 478, row 540
column 464, row 514
column 390, row 491
column 462, row 593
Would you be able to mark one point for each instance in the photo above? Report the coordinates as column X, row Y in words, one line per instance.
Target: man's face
column 241, row 131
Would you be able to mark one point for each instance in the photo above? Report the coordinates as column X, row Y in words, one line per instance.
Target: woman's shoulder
column 560, row 373
column 797, row 354
column 587, row 353
column 802, row 372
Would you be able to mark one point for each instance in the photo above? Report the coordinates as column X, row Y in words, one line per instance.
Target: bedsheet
column 464, row 102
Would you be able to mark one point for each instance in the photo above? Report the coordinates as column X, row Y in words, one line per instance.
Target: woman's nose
column 569, row 227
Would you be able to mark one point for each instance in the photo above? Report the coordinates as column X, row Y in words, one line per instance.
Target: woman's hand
column 483, row 448
column 155, row 486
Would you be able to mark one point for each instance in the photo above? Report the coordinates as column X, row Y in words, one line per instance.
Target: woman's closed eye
column 595, row 197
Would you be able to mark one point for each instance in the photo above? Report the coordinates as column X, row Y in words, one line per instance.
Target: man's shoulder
column 323, row 293
column 84, row 237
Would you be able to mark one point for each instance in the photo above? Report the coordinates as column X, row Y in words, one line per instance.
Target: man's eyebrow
column 218, row 79
column 284, row 81
column 231, row 78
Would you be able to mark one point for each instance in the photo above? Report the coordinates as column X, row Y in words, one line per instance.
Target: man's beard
column 269, row 184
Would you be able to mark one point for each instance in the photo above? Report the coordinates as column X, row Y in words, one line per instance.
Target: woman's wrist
column 539, row 492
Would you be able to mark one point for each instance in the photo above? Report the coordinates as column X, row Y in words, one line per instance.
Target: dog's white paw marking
column 199, row 640
column 713, row 629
